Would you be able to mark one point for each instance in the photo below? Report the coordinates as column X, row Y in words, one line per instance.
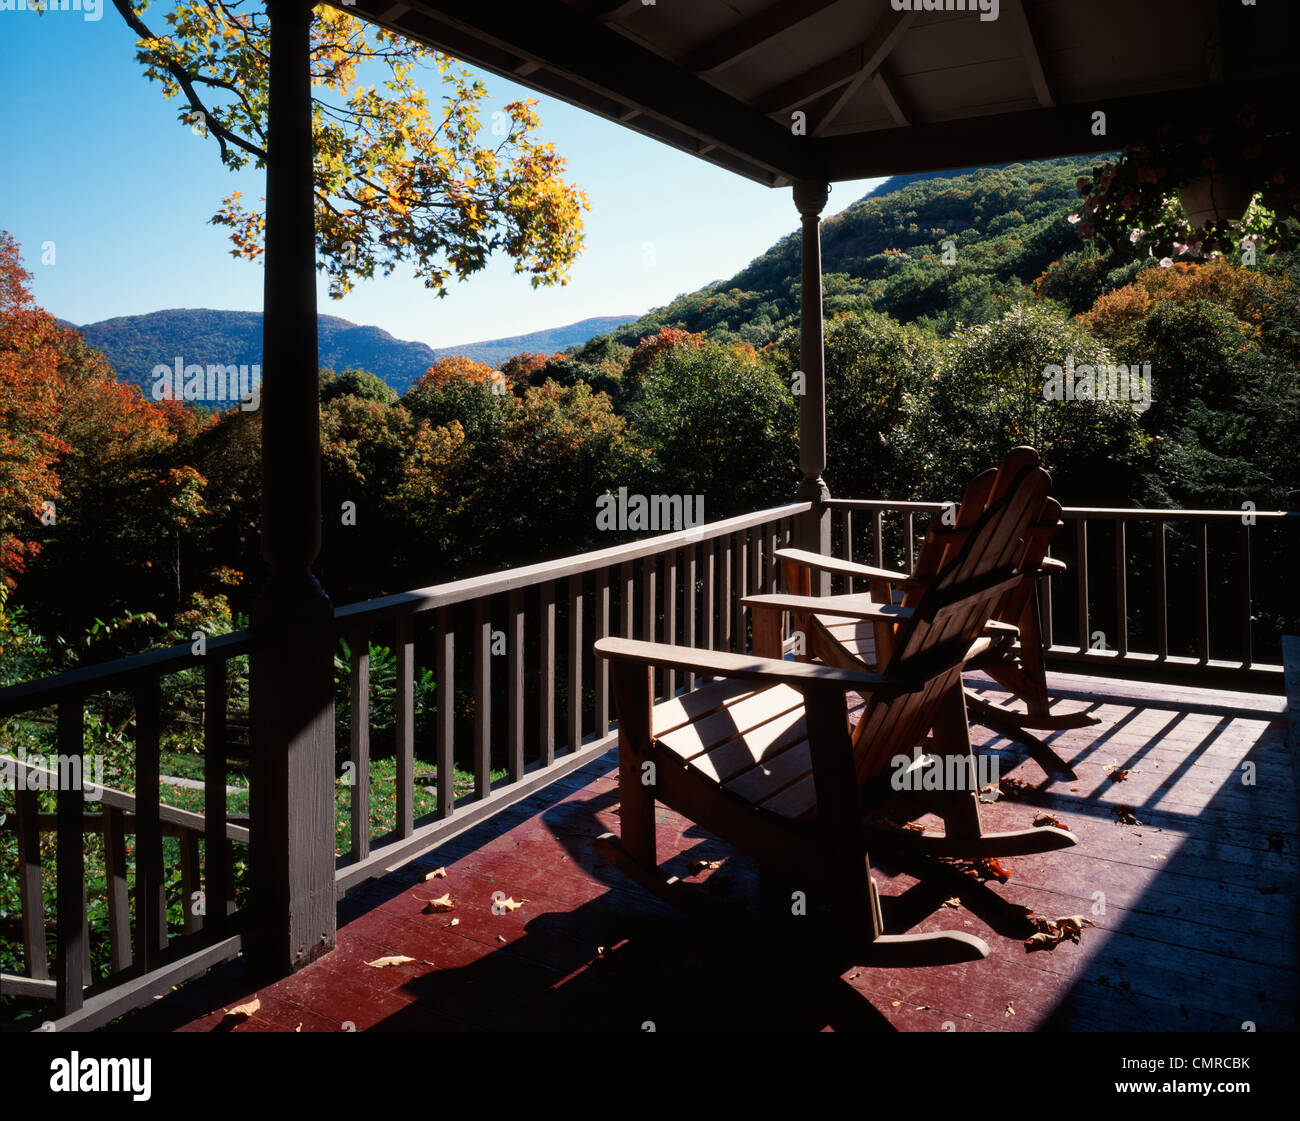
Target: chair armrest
column 1050, row 566
column 851, row 607
column 746, row 667
column 994, row 629
column 822, row 563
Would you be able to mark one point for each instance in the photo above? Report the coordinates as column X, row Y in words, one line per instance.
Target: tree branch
column 185, row 80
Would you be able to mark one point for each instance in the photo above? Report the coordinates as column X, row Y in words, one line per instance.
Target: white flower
column 1135, row 236
column 1073, row 219
column 1166, row 262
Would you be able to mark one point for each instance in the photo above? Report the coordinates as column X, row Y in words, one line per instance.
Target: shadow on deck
column 1196, row 927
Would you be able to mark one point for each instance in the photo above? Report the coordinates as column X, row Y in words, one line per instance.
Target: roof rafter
column 862, row 60
column 742, row 40
column 1017, row 19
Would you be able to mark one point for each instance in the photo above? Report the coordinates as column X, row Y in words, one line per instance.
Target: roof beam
column 1013, row 13
column 559, row 50
column 1031, row 134
column 745, row 38
column 864, row 59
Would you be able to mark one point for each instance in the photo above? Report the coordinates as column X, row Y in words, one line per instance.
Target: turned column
column 813, row 531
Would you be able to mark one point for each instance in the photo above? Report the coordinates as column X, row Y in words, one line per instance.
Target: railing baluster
column 670, row 614
column 1045, row 586
column 30, row 894
column 1203, row 589
column 1162, row 594
column 482, row 697
column 649, row 569
column 1081, row 583
column 189, row 842
column 404, row 707
column 119, row 900
column 359, row 741
column 218, row 883
column 755, row 562
column 600, row 666
column 688, row 622
column 724, row 597
column 70, row 966
column 1121, row 588
column 444, row 670
column 878, row 538
column 909, row 540
column 710, row 591
column 150, row 885
column 772, row 582
column 1243, row 558
column 626, row 593
column 546, row 679
column 515, row 678
column 575, row 661
column 738, row 552
column 846, row 544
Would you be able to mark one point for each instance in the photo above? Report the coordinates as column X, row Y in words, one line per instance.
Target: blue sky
column 97, row 162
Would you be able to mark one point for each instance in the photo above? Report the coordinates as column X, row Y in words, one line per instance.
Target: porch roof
column 884, row 91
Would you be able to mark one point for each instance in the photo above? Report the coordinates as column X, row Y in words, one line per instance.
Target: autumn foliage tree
column 399, row 179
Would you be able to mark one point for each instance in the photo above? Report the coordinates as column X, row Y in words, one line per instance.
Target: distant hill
column 1003, row 225
column 135, row 344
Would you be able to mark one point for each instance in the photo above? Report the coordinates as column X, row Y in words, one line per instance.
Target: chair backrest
column 953, row 602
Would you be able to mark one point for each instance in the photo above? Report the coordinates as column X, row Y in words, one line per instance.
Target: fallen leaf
column 299, row 1027
column 244, row 1010
column 437, row 906
column 1008, row 1010
column 991, row 867
column 953, row 902
column 507, row 905
column 1125, row 815
column 454, row 922
column 391, row 959
column 1042, row 819
column 897, row 1003
column 436, row 874
column 1119, row 776
column 697, row 866
column 501, row 937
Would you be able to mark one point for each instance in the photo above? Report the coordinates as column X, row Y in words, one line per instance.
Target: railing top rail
column 1075, row 512
column 476, row 587
column 79, row 682
column 1125, row 514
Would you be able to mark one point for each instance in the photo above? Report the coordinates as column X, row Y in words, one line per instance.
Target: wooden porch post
column 814, row 529
column 292, row 707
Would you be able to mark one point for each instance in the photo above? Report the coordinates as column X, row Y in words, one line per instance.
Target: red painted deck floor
column 1193, row 905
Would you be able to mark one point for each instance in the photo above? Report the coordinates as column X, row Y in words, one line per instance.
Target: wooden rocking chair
column 766, row 759
column 1010, row 649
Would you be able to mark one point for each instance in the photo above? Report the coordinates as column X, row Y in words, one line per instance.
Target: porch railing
column 520, row 639
column 1178, row 594
column 515, row 700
